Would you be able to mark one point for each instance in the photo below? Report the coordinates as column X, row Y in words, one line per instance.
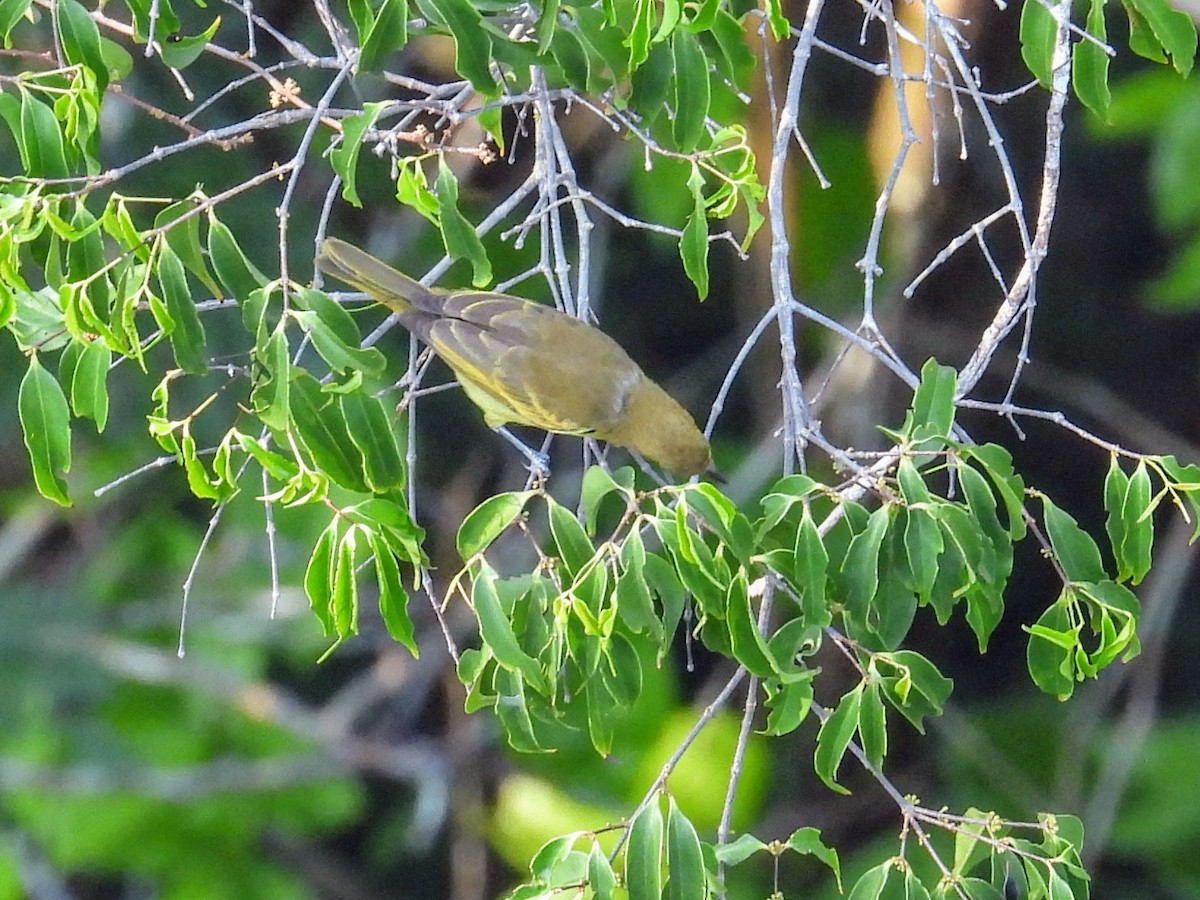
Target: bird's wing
column 527, row 363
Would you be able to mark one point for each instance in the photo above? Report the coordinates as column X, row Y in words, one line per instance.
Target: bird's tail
column 361, row 270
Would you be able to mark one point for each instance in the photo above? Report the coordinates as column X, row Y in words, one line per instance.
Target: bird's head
column 656, row 426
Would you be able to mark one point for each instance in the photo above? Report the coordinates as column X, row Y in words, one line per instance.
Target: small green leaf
column 638, row 39
column 693, row 243
column 188, row 340
column 393, row 599
column 1089, row 70
column 496, row 630
column 81, row 40
column 1052, row 644
column 932, row 413
column 237, row 274
column 46, row 424
column 780, row 26
column 11, row 12
column 388, row 32
column 872, row 725
column 458, row 234
column 180, row 51
column 598, row 483
column 1074, row 548
column 739, row 850
column 345, row 584
column 370, row 429
column 749, row 648
column 1174, row 30
column 472, row 43
column 272, row 393
column 1138, row 522
column 89, row 383
column 321, row 428
column 344, row 158
column 692, row 91
column 340, row 355
column 601, row 878
column 318, row 578
column 183, row 234
column 40, row 139
column 834, row 737
column 807, row 842
column 488, row 520
column 643, row 856
column 1038, row 30
column 412, row 188
column 685, row 862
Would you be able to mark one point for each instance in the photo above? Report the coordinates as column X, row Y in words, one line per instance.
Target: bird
column 527, row 363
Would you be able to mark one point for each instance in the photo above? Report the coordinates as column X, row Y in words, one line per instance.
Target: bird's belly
column 500, row 409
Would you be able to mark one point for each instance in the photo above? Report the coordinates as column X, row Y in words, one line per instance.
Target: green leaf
column 1174, row 30
column 330, row 342
column 780, row 26
column 388, row 32
column 1089, row 69
column 322, row 429
column 458, row 234
column 488, row 520
column 834, row 737
column 917, row 689
column 46, row 425
column 652, row 82
column 812, row 565
column 370, row 429
column 11, row 12
column 117, row 60
column 188, row 340
column 1038, row 29
column 574, row 548
column 40, row 139
column 1074, row 548
column 271, row 397
column 1138, row 525
column 318, row 578
column 180, row 51
column 789, row 703
column 685, row 862
column 412, row 188
column 643, row 856
column 183, row 235
column 692, row 91
column 860, row 571
column 393, row 599
column 693, row 243
column 807, row 842
column 344, row 158
column 598, row 484
column 81, row 40
column 89, row 383
column 749, row 648
column 472, row 43
column 932, row 413
column 1052, row 644
column 237, row 274
column 638, row 39
column 345, row 584
column 496, row 630
column 739, row 850
column 872, row 725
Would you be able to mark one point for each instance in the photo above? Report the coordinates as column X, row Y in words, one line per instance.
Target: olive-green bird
column 523, row 362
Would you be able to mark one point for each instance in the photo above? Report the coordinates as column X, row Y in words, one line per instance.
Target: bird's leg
column 539, row 461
